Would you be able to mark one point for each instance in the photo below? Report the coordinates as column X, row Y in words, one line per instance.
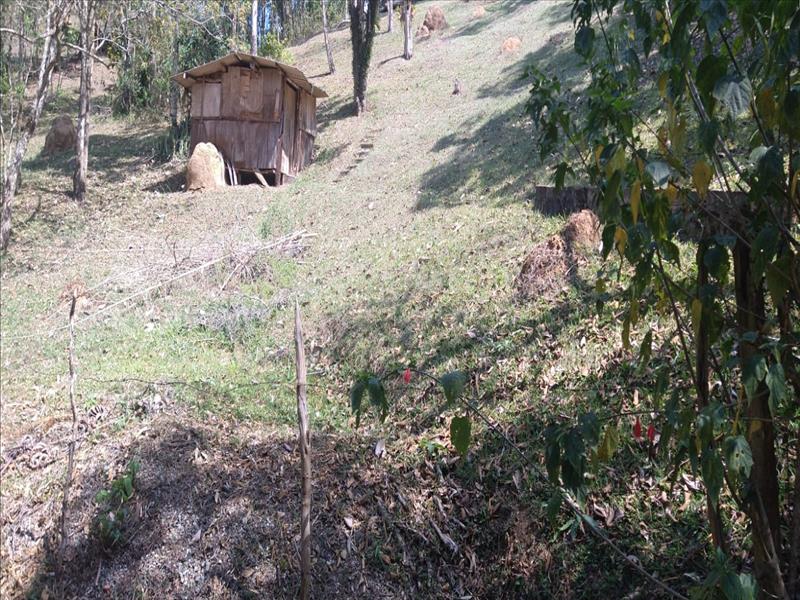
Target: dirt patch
column 479, row 12
column 214, row 515
column 511, row 45
column 549, row 265
column 582, row 231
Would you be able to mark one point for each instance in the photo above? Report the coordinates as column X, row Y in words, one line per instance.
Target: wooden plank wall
column 289, row 129
column 256, row 118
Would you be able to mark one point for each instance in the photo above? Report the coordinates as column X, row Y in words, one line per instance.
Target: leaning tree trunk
column 174, row 90
column 390, row 10
column 254, row 28
column 53, row 20
column 362, row 27
column 763, row 501
column 702, row 367
column 86, row 13
column 408, row 39
column 331, row 66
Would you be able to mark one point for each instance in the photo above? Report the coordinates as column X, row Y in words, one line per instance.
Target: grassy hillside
column 418, row 217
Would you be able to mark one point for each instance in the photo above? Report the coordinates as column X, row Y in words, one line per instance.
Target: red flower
column 651, row 432
column 407, row 376
column 637, row 429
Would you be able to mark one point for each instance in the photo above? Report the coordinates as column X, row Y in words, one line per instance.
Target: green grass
column 421, row 212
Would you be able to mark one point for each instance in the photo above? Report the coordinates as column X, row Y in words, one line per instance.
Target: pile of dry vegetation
column 551, row 263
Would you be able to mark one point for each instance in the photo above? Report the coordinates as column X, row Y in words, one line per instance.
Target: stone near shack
column 479, row 12
column 434, row 19
column 205, row 169
column 61, row 136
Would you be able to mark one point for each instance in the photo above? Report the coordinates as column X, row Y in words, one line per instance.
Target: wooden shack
column 261, row 114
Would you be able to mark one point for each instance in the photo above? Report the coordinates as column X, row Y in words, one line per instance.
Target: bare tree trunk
column 53, row 20
column 408, row 38
column 174, row 91
column 331, row 66
column 304, row 440
column 86, row 13
column 794, row 552
column 763, row 503
column 702, row 369
column 254, row 28
column 390, row 10
column 363, row 20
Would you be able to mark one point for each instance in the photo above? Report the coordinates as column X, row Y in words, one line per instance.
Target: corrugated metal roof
column 187, row 78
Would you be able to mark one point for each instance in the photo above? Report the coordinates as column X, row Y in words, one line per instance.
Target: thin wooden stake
column 73, row 376
column 304, row 440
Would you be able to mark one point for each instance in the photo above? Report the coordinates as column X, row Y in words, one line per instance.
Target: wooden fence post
column 73, row 375
column 304, row 440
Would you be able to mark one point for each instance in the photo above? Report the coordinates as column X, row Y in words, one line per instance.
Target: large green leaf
column 717, row 261
column 356, row 395
column 735, row 92
column 713, row 474
column 659, row 172
column 740, row 586
column 778, row 279
column 778, row 390
column 738, row 456
column 584, row 41
column 590, row 428
column 460, row 433
column 710, row 70
column 377, row 396
column 715, row 13
column 707, row 133
column 574, row 449
column 764, row 247
column 453, row 384
column 552, row 453
column 770, row 165
column 554, row 505
column 753, row 373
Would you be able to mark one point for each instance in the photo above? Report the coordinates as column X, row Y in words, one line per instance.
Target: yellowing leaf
column 597, row 152
column 697, row 315
column 765, row 104
column 634, row 312
column 678, row 136
column 701, row 177
column 662, row 83
column 793, row 188
column 620, row 239
column 672, row 193
column 616, row 162
column 636, row 199
column 663, row 138
column 626, row 334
